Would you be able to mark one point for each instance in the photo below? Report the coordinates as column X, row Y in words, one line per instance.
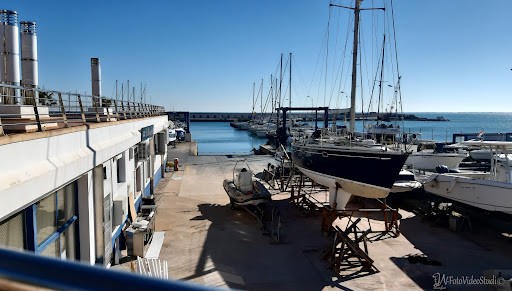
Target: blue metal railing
column 55, row 109
column 36, row 270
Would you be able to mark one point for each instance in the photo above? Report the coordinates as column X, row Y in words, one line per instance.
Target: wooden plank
column 156, row 245
column 131, row 205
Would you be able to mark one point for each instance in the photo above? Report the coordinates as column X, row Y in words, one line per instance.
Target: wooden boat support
column 346, row 253
column 279, row 177
column 389, row 217
column 308, row 196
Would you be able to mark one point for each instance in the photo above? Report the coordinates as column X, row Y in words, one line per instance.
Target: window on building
column 138, row 178
column 11, row 232
column 121, row 169
column 148, row 170
column 55, row 218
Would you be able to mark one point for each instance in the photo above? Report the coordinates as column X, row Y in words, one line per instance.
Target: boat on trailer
column 243, row 189
column 246, row 191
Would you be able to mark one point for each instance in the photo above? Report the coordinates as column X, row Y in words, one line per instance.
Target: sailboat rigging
column 345, row 165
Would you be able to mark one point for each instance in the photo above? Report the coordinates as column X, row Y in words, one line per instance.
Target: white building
column 73, row 168
column 65, row 192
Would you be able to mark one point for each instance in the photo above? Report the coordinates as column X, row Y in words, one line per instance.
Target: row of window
column 52, row 220
column 49, row 226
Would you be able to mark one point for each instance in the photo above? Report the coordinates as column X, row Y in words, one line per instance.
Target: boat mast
column 261, row 100
column 290, row 99
column 354, row 68
column 356, row 9
column 280, row 85
column 280, row 79
column 253, row 104
column 379, row 104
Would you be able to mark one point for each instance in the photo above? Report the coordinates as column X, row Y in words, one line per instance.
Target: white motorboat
column 172, row 136
column 490, row 191
column 428, row 161
column 406, row 182
column 481, row 155
column 427, row 158
column 243, row 189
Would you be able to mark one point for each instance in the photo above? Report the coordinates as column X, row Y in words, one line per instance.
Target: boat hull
column 361, row 172
column 481, row 193
column 259, row 193
column 429, row 161
column 402, row 186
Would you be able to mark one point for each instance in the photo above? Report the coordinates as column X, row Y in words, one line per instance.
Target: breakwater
column 245, row 116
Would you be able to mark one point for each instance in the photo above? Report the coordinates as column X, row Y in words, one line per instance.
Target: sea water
column 216, row 138
column 219, row 138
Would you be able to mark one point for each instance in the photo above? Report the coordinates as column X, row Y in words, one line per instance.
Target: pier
column 338, row 113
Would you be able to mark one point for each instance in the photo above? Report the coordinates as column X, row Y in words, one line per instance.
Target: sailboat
column 349, row 168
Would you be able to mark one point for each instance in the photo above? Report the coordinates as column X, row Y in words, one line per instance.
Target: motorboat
column 427, row 158
column 490, row 191
column 428, row 161
column 180, row 134
column 244, row 189
column 481, row 155
column 406, row 182
column 172, row 136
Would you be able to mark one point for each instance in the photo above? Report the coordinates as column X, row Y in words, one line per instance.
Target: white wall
column 31, row 168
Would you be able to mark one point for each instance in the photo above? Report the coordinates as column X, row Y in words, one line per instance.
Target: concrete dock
column 210, row 244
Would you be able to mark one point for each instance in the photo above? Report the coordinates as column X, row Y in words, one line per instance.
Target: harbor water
column 219, row 138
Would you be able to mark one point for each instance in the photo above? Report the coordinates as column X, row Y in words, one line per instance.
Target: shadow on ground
column 246, row 258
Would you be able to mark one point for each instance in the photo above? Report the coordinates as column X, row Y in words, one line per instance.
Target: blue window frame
column 50, row 224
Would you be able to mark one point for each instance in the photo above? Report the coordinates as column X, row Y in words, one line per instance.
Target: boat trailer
column 267, row 214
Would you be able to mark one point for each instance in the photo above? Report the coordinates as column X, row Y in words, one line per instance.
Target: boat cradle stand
column 383, row 212
column 350, row 232
column 279, row 177
column 308, row 196
column 346, row 247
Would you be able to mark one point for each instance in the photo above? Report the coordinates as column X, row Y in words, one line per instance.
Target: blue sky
column 203, row 55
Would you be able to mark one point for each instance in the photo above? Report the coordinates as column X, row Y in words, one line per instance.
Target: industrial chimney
column 29, row 66
column 9, row 55
column 96, row 81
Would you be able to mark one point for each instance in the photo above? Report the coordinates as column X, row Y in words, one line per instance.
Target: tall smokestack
column 96, row 81
column 29, row 66
column 9, row 55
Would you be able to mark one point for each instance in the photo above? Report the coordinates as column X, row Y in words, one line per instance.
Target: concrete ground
column 210, row 244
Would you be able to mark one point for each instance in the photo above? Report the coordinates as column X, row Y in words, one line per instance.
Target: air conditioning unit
column 120, row 210
column 161, row 143
column 143, row 151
